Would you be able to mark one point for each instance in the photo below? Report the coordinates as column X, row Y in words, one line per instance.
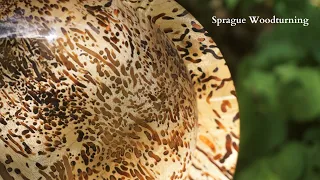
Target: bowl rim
column 219, row 112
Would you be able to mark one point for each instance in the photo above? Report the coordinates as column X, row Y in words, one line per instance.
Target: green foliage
column 289, row 163
column 313, row 167
column 231, row 4
column 300, row 91
column 279, row 88
column 312, row 135
column 290, row 7
column 264, row 115
column 275, row 53
column 303, row 39
column 261, row 170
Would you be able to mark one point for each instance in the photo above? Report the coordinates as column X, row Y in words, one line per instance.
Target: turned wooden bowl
column 112, row 89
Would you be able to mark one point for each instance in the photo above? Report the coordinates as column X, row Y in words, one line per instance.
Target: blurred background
column 276, row 72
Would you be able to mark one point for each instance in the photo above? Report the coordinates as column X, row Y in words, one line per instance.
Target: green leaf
column 263, row 88
column 289, row 162
column 312, row 135
column 316, row 54
column 259, row 170
column 260, row 113
column 262, row 85
column 277, row 53
column 313, row 164
column 300, row 92
column 290, row 7
column 286, row 73
column 305, row 39
column 231, row 4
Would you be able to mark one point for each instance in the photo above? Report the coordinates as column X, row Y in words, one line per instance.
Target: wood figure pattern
column 112, row 89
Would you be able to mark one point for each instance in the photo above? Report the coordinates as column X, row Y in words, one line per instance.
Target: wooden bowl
column 113, row 89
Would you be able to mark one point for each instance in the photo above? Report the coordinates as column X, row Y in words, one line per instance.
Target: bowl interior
column 142, row 61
